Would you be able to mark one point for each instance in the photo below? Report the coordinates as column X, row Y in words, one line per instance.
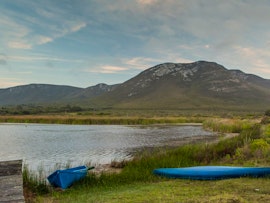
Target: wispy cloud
column 43, row 39
column 22, row 31
column 108, row 69
column 77, row 26
column 146, row 2
column 13, row 34
column 140, row 62
column 41, row 58
column 19, row 45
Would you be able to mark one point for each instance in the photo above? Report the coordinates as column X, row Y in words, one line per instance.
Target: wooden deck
column 11, row 182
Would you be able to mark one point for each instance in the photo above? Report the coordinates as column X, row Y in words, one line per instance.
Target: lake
column 49, row 146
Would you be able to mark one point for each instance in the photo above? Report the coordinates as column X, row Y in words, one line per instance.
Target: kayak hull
column 65, row 178
column 212, row 172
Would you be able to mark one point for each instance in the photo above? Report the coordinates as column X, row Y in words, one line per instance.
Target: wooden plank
column 11, row 182
column 11, row 167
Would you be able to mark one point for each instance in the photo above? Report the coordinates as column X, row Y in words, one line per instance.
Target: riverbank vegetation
column 61, row 109
column 135, row 118
column 102, row 120
column 136, row 183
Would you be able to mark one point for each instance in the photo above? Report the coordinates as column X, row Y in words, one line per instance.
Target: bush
column 259, row 144
column 267, row 112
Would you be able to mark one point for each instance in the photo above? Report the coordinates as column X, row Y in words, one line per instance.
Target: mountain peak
column 186, row 71
column 173, row 69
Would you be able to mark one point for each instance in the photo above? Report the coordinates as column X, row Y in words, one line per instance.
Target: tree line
column 32, row 109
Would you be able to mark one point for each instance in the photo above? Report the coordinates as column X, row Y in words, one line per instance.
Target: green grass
column 167, row 190
column 136, row 183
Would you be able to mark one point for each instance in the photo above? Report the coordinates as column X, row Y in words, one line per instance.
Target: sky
column 85, row 42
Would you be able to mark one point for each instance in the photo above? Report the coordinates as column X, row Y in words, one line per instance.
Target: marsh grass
column 35, row 182
column 103, row 120
column 225, row 125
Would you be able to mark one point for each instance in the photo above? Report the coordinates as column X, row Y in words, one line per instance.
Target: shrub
column 267, row 112
column 259, row 144
column 243, row 153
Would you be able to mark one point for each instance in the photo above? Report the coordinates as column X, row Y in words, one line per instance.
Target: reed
column 224, row 125
column 34, row 182
column 104, row 120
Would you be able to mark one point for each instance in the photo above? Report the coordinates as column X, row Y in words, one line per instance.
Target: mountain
column 50, row 94
column 198, row 85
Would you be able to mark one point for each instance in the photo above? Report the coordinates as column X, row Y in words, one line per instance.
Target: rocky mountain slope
column 194, row 85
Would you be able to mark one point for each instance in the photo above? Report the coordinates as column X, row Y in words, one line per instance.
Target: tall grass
column 228, row 125
column 34, row 182
column 88, row 120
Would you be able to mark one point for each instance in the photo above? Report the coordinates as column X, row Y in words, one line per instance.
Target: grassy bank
column 90, row 120
column 217, row 124
column 136, row 183
column 225, row 191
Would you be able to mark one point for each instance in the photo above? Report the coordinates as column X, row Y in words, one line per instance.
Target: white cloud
column 78, row 26
column 40, row 58
column 140, row 62
column 19, row 45
column 146, row 2
column 107, row 69
column 56, row 32
column 43, row 40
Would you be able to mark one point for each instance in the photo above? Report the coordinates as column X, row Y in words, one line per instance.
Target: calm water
column 47, row 146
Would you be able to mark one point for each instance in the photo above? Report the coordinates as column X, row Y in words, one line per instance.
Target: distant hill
column 198, row 85
column 50, row 94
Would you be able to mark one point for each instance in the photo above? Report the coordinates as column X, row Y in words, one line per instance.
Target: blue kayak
column 212, row 172
column 65, row 178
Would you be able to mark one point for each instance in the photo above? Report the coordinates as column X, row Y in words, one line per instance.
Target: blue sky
column 85, row 42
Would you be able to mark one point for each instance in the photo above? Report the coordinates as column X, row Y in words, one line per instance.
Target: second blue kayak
column 212, row 172
column 65, row 178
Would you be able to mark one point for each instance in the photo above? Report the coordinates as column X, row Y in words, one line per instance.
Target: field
column 136, row 183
